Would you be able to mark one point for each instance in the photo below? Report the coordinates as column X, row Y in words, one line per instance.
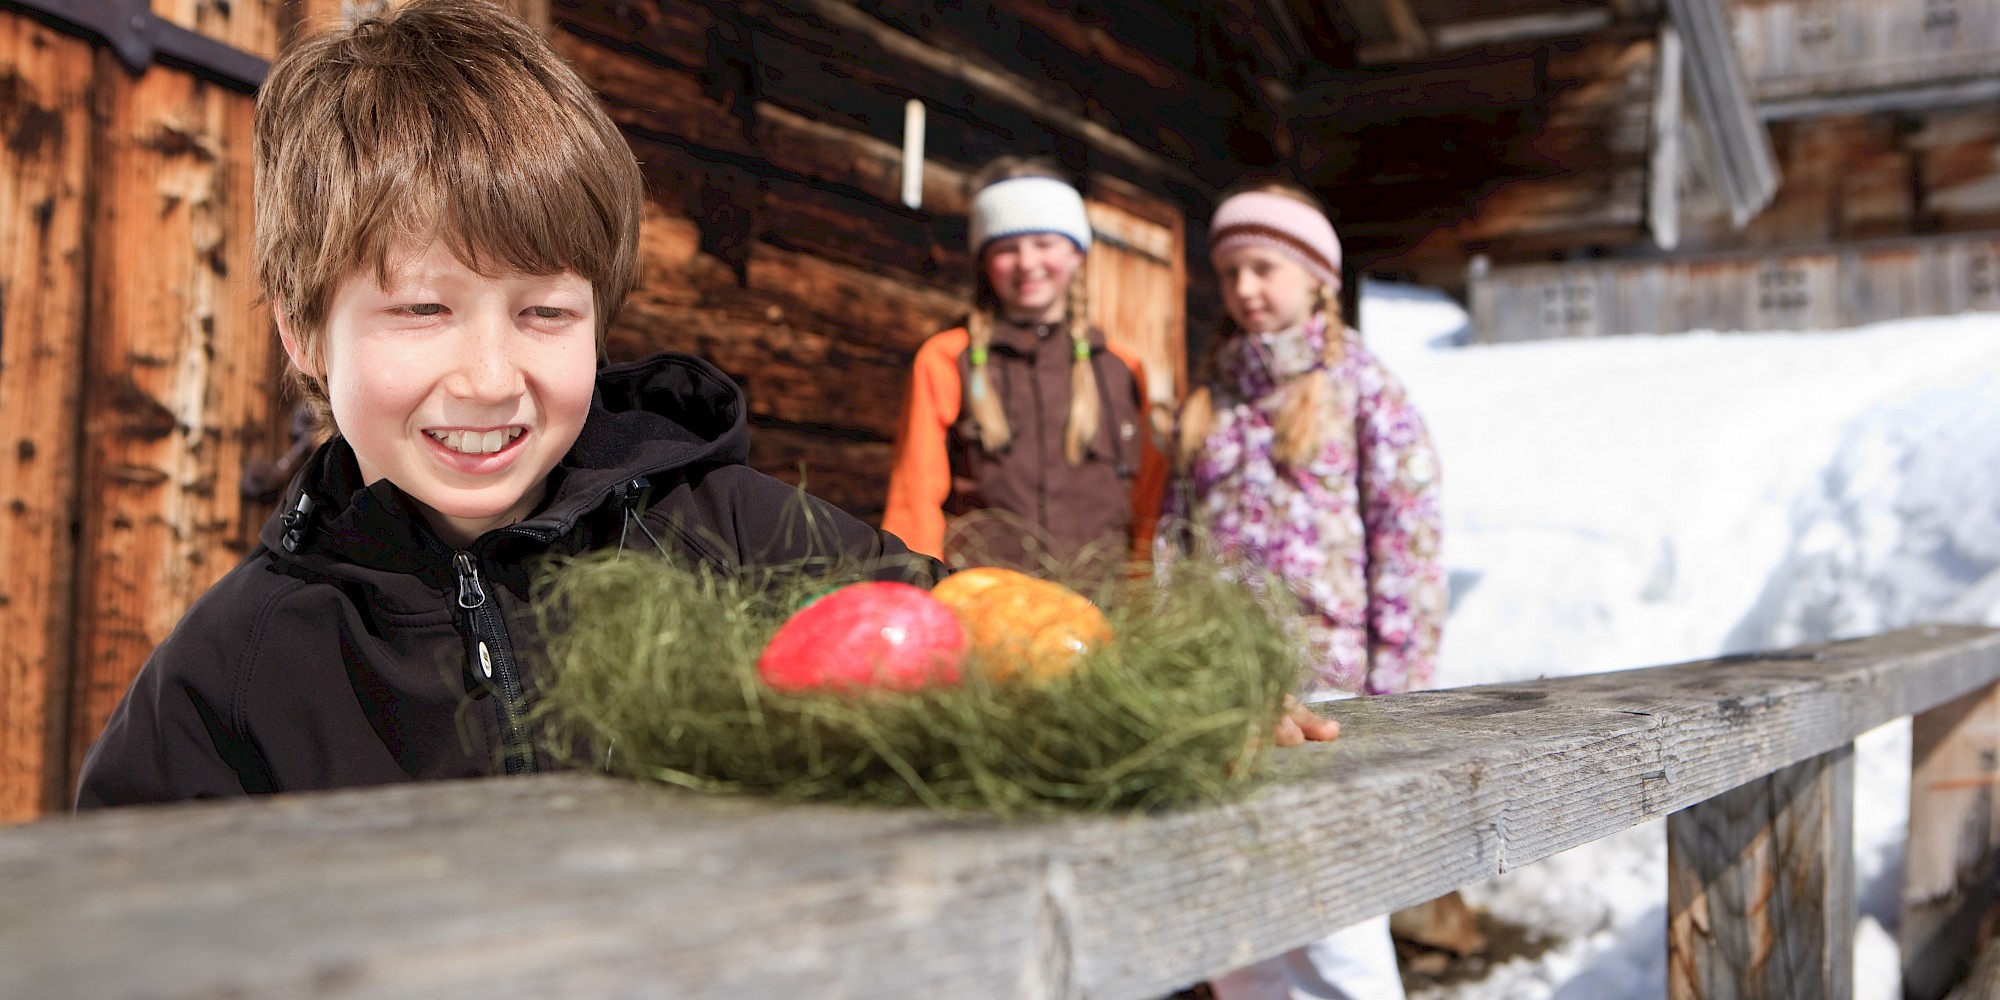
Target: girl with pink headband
column 1299, row 455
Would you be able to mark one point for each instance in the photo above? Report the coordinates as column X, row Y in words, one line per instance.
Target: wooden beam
column 1411, row 42
column 1948, row 891
column 44, row 310
column 1663, row 168
column 1984, row 980
column 179, row 387
column 1745, row 166
column 1930, row 97
column 1760, row 887
column 375, row 892
column 1472, row 33
column 994, row 83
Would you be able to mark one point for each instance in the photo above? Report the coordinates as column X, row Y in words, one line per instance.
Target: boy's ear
column 301, row 360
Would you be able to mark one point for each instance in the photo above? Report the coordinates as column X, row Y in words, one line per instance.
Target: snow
column 1632, row 501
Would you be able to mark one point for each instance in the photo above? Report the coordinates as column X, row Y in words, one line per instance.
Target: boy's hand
column 1299, row 724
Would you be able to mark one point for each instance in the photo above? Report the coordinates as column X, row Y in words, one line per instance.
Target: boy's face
column 462, row 390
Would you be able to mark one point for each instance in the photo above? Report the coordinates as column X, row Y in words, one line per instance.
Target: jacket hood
column 647, row 418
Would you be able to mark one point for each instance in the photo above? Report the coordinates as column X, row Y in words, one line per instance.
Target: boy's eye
column 426, row 309
column 545, row 312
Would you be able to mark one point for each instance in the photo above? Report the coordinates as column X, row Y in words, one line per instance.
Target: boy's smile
column 461, row 389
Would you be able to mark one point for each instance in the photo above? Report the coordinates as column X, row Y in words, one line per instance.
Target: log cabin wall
column 1517, row 150
column 1884, row 116
column 1883, row 120
column 778, row 245
column 1765, row 290
column 136, row 371
column 138, row 375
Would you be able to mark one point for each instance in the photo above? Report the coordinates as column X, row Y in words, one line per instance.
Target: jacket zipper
column 492, row 657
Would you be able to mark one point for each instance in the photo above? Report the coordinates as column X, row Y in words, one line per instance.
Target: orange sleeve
column 1149, row 488
column 920, row 476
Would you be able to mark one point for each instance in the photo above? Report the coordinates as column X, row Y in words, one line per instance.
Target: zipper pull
column 470, row 594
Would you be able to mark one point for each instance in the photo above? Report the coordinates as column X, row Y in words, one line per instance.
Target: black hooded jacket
column 354, row 647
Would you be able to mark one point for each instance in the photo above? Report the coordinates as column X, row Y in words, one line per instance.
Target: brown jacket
column 1026, row 505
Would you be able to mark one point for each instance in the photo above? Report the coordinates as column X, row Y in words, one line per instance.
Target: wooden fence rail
column 578, row 885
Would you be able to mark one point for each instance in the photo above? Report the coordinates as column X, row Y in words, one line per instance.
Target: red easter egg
column 868, row 635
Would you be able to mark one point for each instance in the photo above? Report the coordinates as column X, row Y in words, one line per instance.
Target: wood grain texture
column 577, row 885
column 253, row 26
column 1760, row 887
column 179, row 373
column 1983, row 981
column 1821, row 288
column 44, row 181
column 1948, row 875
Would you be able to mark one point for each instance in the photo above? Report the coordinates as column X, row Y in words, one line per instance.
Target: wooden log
column 1663, row 167
column 573, row 884
column 1984, row 979
column 1135, row 91
column 671, row 32
column 1949, row 897
column 994, row 84
column 666, row 106
column 850, row 472
column 252, row 26
column 179, row 389
column 44, row 181
column 1741, row 160
column 796, row 319
column 1760, row 887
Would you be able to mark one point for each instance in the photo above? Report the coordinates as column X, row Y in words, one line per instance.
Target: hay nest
column 651, row 674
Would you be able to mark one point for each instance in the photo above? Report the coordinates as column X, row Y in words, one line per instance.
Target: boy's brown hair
column 439, row 120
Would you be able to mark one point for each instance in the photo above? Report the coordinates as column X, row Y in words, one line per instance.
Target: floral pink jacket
column 1353, row 534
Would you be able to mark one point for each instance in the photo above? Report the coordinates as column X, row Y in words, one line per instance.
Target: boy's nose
column 488, row 372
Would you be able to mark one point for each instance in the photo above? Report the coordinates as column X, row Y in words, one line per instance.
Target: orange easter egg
column 1020, row 625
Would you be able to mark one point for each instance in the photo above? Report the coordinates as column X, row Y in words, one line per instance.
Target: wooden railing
column 579, row 885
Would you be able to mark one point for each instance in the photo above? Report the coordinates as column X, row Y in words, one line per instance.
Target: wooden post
column 179, row 371
column 1760, row 887
column 1948, row 894
column 44, row 164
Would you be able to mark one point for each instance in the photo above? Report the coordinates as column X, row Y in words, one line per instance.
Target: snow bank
column 1632, row 501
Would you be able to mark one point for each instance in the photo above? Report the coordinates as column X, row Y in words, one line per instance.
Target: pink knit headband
column 1284, row 224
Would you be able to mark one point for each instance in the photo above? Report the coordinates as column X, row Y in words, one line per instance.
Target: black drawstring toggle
column 298, row 523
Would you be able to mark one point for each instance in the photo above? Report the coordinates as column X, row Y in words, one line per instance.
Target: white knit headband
column 1293, row 228
column 1021, row 205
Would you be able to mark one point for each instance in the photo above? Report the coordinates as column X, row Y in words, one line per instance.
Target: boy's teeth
column 476, row 442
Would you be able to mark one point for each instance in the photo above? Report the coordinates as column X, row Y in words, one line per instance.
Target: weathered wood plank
column 1760, row 887
column 579, row 885
column 794, row 318
column 1663, row 168
column 179, row 372
column 1948, row 873
column 44, row 177
column 1000, row 85
column 250, row 25
column 1984, row 980
column 851, row 473
column 1821, row 289
column 1741, row 160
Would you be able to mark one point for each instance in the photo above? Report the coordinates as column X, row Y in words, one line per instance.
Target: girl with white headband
column 1300, row 455
column 1024, row 426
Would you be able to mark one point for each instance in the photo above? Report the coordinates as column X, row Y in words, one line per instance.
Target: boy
column 446, row 224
